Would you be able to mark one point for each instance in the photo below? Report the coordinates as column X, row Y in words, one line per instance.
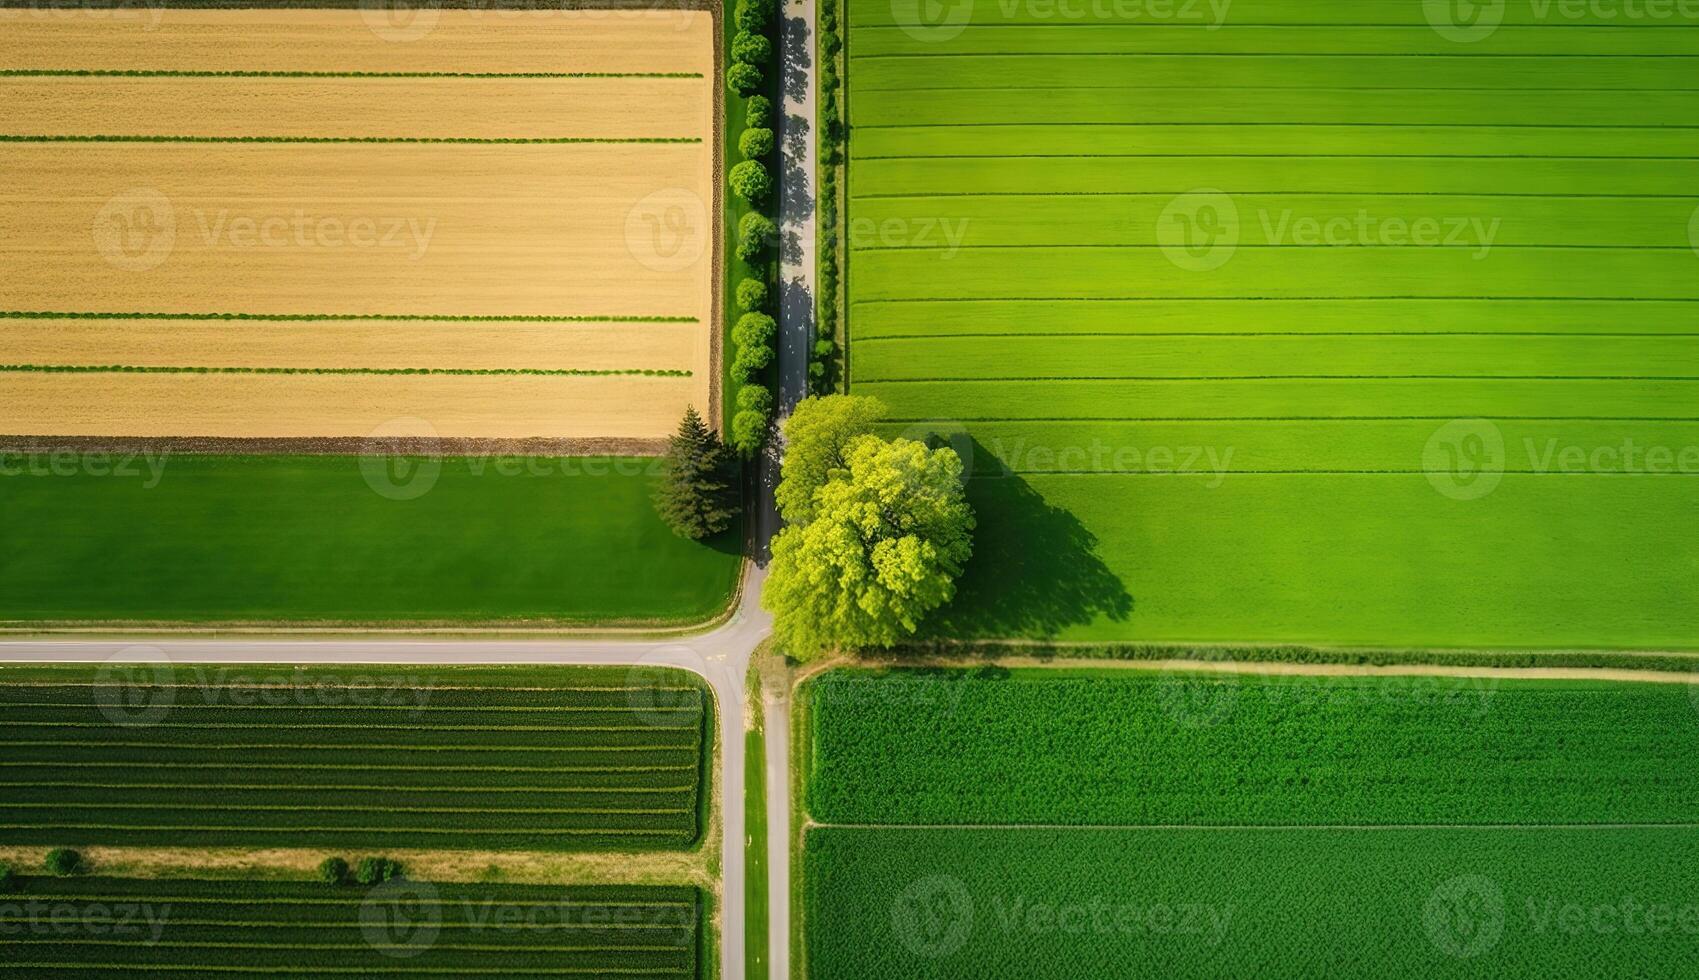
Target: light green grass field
column 309, row 538
column 1309, row 324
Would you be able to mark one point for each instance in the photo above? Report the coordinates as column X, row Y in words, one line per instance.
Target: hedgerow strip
column 82, row 764
column 163, row 73
column 351, row 788
column 247, row 726
column 344, row 808
column 317, row 970
column 438, row 947
column 539, row 372
column 611, row 832
column 361, row 746
column 551, row 140
column 305, row 317
column 358, row 900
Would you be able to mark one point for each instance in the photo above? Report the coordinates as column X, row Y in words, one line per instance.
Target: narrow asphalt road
column 721, row 657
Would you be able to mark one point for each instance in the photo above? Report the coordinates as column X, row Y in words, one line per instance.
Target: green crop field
column 174, row 537
column 115, row 927
column 1134, row 747
column 1309, row 321
column 1134, row 824
column 912, row 904
column 556, row 759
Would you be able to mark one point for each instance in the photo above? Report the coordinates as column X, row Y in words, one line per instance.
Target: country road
column 720, row 656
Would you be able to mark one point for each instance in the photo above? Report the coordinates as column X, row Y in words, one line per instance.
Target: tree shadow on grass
column 1035, row 569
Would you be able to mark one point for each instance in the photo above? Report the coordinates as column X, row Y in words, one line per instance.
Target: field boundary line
column 1254, row 828
column 358, row 970
column 477, row 140
column 456, row 372
column 1217, row 378
column 517, row 832
column 1273, row 333
column 244, row 726
column 340, row 808
column 352, row 317
column 184, row 73
column 259, row 787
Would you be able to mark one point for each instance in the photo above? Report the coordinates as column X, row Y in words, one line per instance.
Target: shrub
column 754, row 15
column 824, row 349
column 751, row 49
column 755, row 143
column 63, row 861
column 751, row 295
column 372, row 870
column 333, row 870
column 6, row 877
column 759, row 111
column 751, row 181
column 750, row 361
column 755, row 398
column 749, row 431
column 743, row 79
column 755, row 232
column 754, row 330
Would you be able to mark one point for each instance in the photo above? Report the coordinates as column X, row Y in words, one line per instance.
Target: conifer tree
column 697, row 496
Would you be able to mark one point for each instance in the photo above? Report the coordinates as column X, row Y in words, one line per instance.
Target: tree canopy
column 697, row 494
column 879, row 531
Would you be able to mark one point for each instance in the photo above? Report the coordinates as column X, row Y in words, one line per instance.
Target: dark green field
column 560, row 759
column 1136, row 747
column 309, row 538
column 1133, row 824
column 177, row 929
column 906, row 904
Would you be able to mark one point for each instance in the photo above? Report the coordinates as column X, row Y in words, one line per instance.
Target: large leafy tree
column 884, row 535
column 817, row 434
column 697, row 494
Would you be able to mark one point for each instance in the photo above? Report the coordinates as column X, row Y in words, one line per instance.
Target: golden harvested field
column 505, row 206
